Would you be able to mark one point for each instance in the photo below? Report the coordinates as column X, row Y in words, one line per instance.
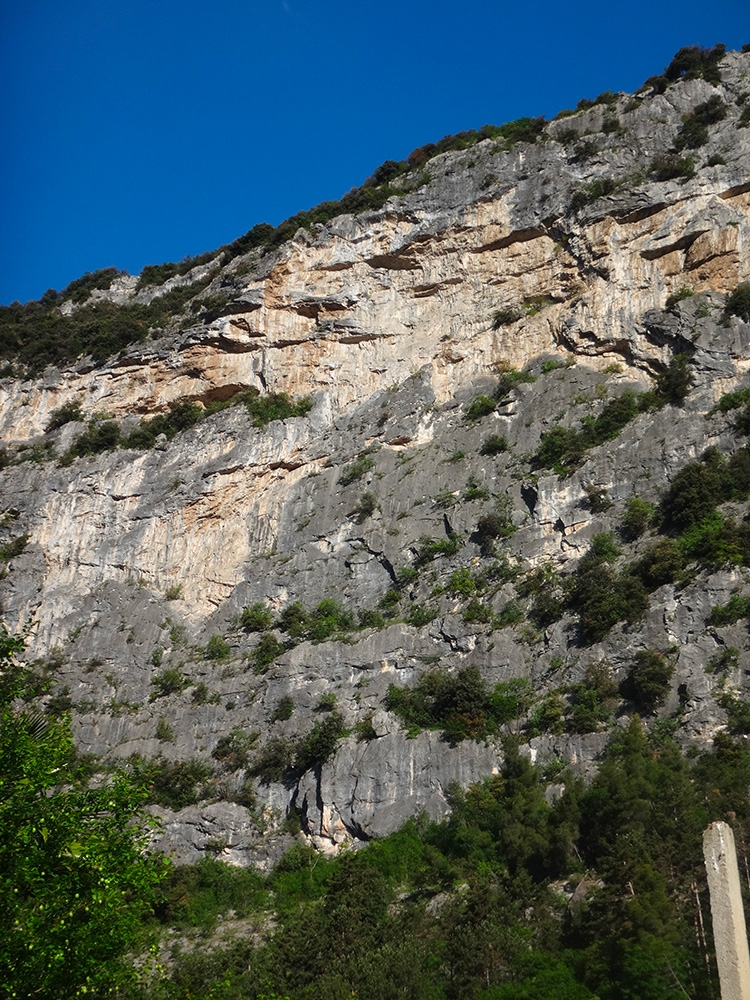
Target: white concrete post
column 727, row 914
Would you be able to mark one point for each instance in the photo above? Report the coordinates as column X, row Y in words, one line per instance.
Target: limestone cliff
column 556, row 258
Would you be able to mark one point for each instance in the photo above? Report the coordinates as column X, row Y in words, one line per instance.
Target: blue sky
column 141, row 131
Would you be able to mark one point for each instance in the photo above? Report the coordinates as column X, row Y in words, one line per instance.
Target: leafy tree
column 75, row 878
column 738, row 303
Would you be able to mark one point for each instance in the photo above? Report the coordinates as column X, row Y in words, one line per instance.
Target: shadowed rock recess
column 359, row 504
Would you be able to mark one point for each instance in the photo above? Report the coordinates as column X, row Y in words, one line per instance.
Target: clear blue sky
column 140, row 131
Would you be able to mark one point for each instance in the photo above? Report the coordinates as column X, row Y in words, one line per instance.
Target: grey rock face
column 138, row 564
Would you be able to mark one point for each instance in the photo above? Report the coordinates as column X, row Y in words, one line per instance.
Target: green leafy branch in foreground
column 75, row 881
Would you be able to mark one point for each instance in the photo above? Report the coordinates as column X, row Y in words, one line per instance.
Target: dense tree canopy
column 75, row 878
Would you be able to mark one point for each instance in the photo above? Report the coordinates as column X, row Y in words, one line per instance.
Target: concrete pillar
column 727, row 914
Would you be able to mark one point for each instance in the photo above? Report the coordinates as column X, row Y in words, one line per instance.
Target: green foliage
column 170, row 681
column 9, row 550
column 563, row 449
column 460, row 704
column 75, row 881
column 174, row 784
column 327, row 619
column 694, row 130
column 678, row 296
column 732, row 401
column 592, row 192
column 81, row 288
column 638, row 518
column 157, row 274
column 510, row 614
column 738, row 303
column 197, row 896
column 546, row 717
column 256, row 618
column 294, row 620
column 357, row 924
column 738, row 713
column 699, row 486
column 273, row 761
column 670, row 167
column 693, row 62
column 497, row 524
column 218, row 649
column 592, row 700
column 370, row 618
column 63, row 415
column 510, row 378
column 717, row 541
column 320, row 743
column 549, row 591
column 647, row 682
column 366, row 507
column 37, row 334
column 267, row 650
column 474, row 491
column 601, row 596
column 480, row 406
column 104, row 434
column 275, row 406
column 476, row 611
column 356, row 469
column 736, row 608
column 179, row 417
column 663, row 562
column 100, row 435
column 726, row 660
column 164, row 732
column 233, row 749
column 462, row 583
column 675, row 382
column 597, row 498
column 284, row 709
column 431, row 548
column 421, row 614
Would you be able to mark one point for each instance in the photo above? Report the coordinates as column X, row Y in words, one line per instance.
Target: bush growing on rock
column 480, row 406
column 459, row 704
column 273, row 760
column 218, row 649
column 284, row 709
column 495, row 444
column 168, row 682
column 738, row 303
column 693, row 61
column 233, row 749
column 266, row 652
column 647, row 682
column 694, row 130
column 256, row 618
column 356, row 469
column 174, row 784
column 737, row 607
column 320, row 743
column 639, row 517
column 67, row 413
column 670, row 166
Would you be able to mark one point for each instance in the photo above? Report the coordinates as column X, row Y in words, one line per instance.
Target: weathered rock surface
column 388, row 320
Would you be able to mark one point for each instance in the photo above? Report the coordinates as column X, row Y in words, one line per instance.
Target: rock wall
column 392, row 321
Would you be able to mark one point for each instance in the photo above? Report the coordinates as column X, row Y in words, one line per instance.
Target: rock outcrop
column 556, row 258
